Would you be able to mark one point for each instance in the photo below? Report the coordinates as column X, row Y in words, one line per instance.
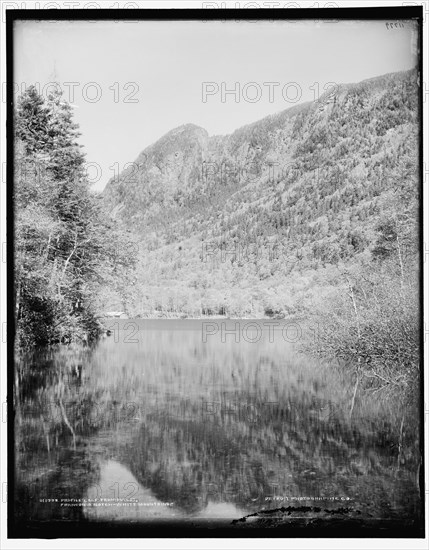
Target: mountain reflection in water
column 218, row 429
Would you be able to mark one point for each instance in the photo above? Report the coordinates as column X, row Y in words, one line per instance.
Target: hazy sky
column 135, row 81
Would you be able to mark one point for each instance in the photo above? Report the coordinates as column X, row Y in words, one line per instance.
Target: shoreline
column 203, row 318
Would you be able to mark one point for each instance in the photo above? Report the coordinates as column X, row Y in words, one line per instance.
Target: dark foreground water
column 185, row 423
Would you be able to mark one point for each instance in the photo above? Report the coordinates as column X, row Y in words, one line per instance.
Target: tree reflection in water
column 219, row 429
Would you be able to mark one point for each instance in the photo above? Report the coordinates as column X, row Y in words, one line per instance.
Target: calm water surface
column 171, row 421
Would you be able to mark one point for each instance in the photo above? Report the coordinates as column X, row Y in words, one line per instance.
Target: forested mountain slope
column 259, row 220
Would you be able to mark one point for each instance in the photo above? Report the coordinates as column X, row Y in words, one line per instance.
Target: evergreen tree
column 65, row 245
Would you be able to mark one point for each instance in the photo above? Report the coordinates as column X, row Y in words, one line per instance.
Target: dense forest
column 65, row 246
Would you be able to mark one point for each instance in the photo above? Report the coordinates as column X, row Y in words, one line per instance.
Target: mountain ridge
column 280, row 112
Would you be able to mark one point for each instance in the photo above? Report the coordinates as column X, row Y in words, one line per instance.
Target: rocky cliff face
column 159, row 175
column 186, row 165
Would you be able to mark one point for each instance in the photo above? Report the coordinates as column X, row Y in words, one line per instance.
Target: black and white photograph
column 215, row 260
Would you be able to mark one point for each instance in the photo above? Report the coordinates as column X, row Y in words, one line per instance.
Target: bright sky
column 162, row 67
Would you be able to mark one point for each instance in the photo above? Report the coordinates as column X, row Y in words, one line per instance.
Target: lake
column 202, row 423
